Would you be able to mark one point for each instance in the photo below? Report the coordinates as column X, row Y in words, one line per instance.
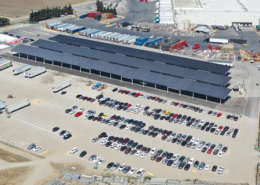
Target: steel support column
column 43, row 60
column 121, row 78
column 154, row 86
column 35, row 59
column 80, row 69
column 52, row 63
column 70, row 67
column 179, row 92
column 27, row 57
column 61, row 64
column 19, row 55
column 167, row 89
column 100, row 73
column 110, row 76
column 90, row 71
column 193, row 95
column 132, row 81
column 220, row 101
column 206, row 98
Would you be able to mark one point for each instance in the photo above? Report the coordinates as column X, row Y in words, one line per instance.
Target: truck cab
column 206, row 40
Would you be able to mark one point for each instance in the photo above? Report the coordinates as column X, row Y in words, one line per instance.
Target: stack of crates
column 197, row 46
column 141, row 40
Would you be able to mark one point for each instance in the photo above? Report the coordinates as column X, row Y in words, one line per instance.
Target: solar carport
column 143, row 54
column 123, row 73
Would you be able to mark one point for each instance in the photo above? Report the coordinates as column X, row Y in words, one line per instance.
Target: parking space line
column 71, row 138
column 228, row 152
column 67, row 152
column 44, row 152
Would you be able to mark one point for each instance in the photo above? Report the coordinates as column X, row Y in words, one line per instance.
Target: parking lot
column 34, row 125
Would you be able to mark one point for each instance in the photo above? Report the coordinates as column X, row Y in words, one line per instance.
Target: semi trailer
column 21, row 69
column 17, row 106
column 34, row 72
column 61, row 86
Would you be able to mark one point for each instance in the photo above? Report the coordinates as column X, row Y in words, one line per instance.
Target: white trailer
column 17, row 106
column 2, row 105
column 5, row 64
column 21, row 69
column 34, row 72
column 112, row 35
column 116, row 37
column 106, row 35
column 129, row 41
column 122, row 38
column 61, row 86
column 216, row 40
column 98, row 34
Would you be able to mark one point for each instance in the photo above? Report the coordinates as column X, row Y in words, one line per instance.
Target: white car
column 143, row 155
column 128, row 110
column 132, row 171
column 207, row 168
column 140, row 172
column 199, row 147
column 37, row 148
column 153, row 151
column 175, row 164
column 104, row 142
column 101, row 161
column 175, row 157
column 193, row 139
column 113, row 145
column 128, row 127
column 121, row 167
column 220, row 154
column 118, row 147
column 96, row 159
column 81, row 109
column 221, row 170
column 138, row 152
column 169, row 138
column 74, row 150
column 197, row 140
column 184, row 123
column 223, row 115
column 164, row 161
column 205, row 111
column 86, row 116
column 105, row 138
column 194, row 145
column 217, row 131
column 191, row 161
column 72, row 112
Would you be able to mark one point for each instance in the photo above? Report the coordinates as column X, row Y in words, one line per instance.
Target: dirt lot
column 35, row 123
column 17, row 8
column 14, row 176
column 11, row 157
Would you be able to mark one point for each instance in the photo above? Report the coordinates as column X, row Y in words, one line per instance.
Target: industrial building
column 159, row 71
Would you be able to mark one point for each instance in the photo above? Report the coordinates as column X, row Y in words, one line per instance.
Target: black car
column 187, row 167
column 63, row 92
column 196, row 164
column 150, row 133
column 164, row 154
column 90, row 117
column 62, row 132
column 162, row 117
column 67, row 136
column 210, row 112
column 134, row 144
column 151, row 127
column 132, row 128
column 110, row 138
column 184, row 143
column 146, row 108
column 67, row 111
column 83, row 153
column 226, row 128
column 115, row 89
column 169, row 133
column 115, row 124
column 130, row 143
column 189, row 124
column 78, row 96
column 103, row 134
column 235, row 118
column 127, row 92
column 201, row 110
column 55, row 129
column 122, row 127
column 188, row 138
column 182, row 165
column 108, row 144
column 181, row 158
column 145, row 132
column 139, row 147
column 212, row 130
column 174, row 140
column 203, row 128
column 204, row 149
column 169, row 155
column 207, row 129
column 214, row 168
column 119, row 141
column 154, row 135
column 212, row 146
column 110, row 165
column 170, row 162
column 167, row 118
column 99, row 96
column 222, row 133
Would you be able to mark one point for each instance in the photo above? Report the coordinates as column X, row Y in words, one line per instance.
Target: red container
column 178, row 45
column 146, row 1
column 217, row 48
column 141, row 0
column 92, row 14
column 111, row 16
column 210, row 47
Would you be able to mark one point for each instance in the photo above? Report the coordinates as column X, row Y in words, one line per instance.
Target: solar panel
column 177, row 71
column 143, row 75
column 167, row 58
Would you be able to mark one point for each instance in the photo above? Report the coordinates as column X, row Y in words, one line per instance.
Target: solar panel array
column 149, row 55
column 143, row 75
column 177, row 71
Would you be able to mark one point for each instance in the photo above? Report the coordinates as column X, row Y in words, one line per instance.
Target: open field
column 17, row 8
column 11, row 157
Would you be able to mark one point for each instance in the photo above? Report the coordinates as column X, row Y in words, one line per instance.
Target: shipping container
column 76, row 29
column 109, row 37
column 5, row 64
column 179, row 45
column 112, row 38
column 122, row 38
column 83, row 32
column 104, row 35
column 2, row 105
column 34, row 72
column 97, row 16
column 17, row 106
column 92, row 14
column 98, row 34
column 88, row 34
column 154, row 41
column 61, row 86
column 21, row 69
column 129, row 40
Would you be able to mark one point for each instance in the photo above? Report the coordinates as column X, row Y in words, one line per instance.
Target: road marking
column 150, row 174
column 228, row 152
column 44, row 152
column 194, row 171
column 71, row 138
column 67, row 152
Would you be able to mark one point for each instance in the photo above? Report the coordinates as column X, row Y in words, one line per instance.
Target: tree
column 4, row 21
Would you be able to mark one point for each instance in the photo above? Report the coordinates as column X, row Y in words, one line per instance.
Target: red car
column 176, row 104
column 220, row 127
column 158, row 159
column 123, row 148
column 128, row 149
column 88, row 99
column 125, row 141
column 175, row 115
column 164, row 132
column 164, row 137
column 137, row 94
column 99, row 119
column 84, row 98
column 129, row 105
column 209, row 151
column 113, row 117
column 123, row 91
column 150, row 113
column 156, row 99
column 153, row 98
column 219, row 114
column 78, row 114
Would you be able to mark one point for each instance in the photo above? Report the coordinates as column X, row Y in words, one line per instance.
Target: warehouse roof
column 170, row 59
column 135, row 62
column 144, row 75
